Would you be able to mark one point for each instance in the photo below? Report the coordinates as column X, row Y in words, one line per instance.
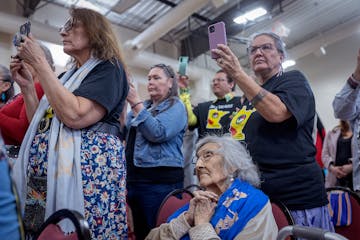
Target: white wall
column 327, row 74
column 5, row 48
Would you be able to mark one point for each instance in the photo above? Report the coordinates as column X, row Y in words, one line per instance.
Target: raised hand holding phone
column 24, row 30
column 183, row 62
column 217, row 35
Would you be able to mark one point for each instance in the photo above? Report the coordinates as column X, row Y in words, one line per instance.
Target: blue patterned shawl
column 236, row 207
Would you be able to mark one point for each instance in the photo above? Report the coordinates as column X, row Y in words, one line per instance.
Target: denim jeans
column 144, row 200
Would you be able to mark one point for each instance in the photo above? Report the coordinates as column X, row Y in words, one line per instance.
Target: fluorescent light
column 288, row 63
column 240, row 20
column 250, row 16
column 322, row 50
column 254, row 14
column 92, row 6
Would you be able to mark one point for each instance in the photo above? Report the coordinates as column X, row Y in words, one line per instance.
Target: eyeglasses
column 5, row 80
column 206, row 156
column 166, row 69
column 264, row 48
column 218, row 80
column 68, row 25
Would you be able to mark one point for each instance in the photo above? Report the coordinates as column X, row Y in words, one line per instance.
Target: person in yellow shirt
column 212, row 117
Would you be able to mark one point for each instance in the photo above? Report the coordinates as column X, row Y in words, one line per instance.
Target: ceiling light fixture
column 323, row 50
column 250, row 15
column 288, row 63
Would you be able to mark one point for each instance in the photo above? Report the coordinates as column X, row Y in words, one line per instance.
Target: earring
column 3, row 97
column 234, row 175
column 232, row 178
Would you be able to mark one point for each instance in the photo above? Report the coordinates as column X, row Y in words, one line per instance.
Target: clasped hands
column 201, row 208
column 341, row 171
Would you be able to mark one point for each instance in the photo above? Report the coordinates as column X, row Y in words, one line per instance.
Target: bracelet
column 262, row 93
column 353, row 78
column 134, row 105
column 353, row 82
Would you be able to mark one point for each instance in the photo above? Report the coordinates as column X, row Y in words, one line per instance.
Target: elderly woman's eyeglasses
column 67, row 26
column 267, row 47
column 205, row 156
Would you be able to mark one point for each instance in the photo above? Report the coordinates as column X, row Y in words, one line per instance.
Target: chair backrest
column 310, row 233
column 353, row 230
column 172, row 202
column 281, row 214
column 50, row 230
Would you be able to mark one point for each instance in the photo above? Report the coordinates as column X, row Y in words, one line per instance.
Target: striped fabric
column 340, row 208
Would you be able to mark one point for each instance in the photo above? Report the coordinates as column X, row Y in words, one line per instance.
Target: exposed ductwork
column 10, row 24
column 197, row 43
column 179, row 14
column 29, row 7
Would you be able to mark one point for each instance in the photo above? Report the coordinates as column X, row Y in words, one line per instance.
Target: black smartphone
column 24, row 30
column 217, row 35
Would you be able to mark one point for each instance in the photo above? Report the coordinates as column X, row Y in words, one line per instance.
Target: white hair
column 237, row 160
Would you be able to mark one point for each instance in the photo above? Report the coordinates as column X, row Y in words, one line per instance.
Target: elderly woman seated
column 230, row 207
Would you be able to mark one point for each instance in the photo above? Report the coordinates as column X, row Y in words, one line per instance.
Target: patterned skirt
column 104, row 184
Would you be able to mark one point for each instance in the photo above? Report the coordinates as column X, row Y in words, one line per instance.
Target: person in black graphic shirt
column 212, row 117
column 276, row 122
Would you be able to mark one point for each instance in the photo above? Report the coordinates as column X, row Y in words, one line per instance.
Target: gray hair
column 48, row 56
column 235, row 156
column 279, row 43
column 5, row 75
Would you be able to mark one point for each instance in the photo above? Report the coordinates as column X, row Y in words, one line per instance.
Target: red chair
column 172, row 202
column 51, row 231
column 353, row 230
column 281, row 214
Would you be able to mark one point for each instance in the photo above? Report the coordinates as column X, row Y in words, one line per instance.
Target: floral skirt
column 104, row 183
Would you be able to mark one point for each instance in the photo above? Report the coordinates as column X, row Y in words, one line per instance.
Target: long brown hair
column 103, row 42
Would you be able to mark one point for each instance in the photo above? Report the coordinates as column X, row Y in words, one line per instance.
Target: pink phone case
column 217, row 35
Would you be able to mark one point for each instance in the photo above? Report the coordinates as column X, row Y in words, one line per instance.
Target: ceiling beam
column 195, row 15
column 334, row 35
column 29, row 7
column 197, row 42
column 164, row 25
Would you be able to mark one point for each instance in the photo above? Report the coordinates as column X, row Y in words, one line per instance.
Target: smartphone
column 183, row 62
column 217, row 35
column 24, row 30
